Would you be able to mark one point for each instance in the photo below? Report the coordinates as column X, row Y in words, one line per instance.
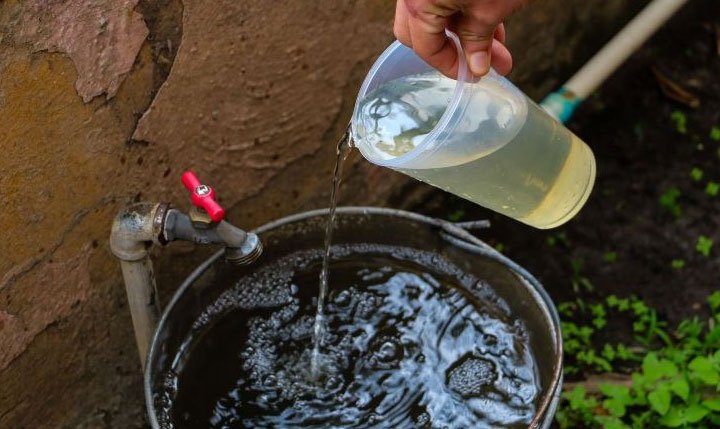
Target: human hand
column 421, row 24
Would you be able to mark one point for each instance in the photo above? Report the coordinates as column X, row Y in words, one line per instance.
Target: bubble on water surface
column 471, row 376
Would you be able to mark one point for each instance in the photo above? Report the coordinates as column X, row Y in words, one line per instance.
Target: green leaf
column 640, row 308
column 599, row 312
column 712, row 404
column 608, row 352
column 608, row 422
column 615, row 407
column 610, row 257
column 624, row 353
column 456, row 215
column 655, row 369
column 639, row 385
column 673, row 418
column 614, row 390
column 577, row 398
column 681, row 388
column 678, row 264
column 612, row 301
column 712, row 338
column 715, row 134
column 694, row 413
column 701, row 364
column 696, row 174
column 702, row 368
column 680, row 121
column 567, row 309
column 618, row 398
column 659, row 401
column 690, row 328
column 712, row 188
column 669, row 200
column 599, row 322
column 703, row 245
column 714, row 301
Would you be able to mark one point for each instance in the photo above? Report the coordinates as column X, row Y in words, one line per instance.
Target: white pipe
column 134, row 229
column 562, row 103
column 627, row 41
column 142, row 298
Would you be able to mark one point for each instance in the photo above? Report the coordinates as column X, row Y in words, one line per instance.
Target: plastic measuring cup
column 490, row 143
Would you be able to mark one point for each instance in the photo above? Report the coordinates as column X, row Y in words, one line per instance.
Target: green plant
column 578, row 338
column 560, row 237
column 712, row 188
column 680, row 121
column 669, row 200
column 704, row 245
column 715, row 133
column 674, row 384
column 456, row 215
column 578, row 281
column 678, row 264
column 696, row 174
column 610, row 257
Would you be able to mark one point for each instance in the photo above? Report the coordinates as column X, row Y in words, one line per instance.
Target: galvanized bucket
column 524, row 295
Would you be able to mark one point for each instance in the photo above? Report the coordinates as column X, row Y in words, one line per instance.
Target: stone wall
column 106, row 102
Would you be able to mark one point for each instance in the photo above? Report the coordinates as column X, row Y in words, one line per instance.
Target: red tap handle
column 202, row 196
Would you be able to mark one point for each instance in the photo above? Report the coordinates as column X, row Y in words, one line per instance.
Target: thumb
column 477, row 39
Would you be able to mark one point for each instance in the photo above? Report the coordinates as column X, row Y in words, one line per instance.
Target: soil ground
column 624, row 240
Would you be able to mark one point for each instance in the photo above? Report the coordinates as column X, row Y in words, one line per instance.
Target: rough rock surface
column 101, row 38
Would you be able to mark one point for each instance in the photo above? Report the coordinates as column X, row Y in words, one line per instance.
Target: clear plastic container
column 481, row 140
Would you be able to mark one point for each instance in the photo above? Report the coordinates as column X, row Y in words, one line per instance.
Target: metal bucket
column 524, row 295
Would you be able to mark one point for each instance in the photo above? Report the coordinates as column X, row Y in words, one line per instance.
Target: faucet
column 140, row 225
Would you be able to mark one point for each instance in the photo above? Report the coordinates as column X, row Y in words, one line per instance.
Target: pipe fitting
column 241, row 248
column 140, row 225
column 135, row 228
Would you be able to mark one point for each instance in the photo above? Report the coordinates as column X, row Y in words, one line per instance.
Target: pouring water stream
column 342, row 151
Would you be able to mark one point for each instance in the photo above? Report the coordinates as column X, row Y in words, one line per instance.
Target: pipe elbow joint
column 135, row 228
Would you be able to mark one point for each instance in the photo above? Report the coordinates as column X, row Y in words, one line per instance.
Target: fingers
column 500, row 33
column 427, row 23
column 400, row 26
column 477, row 39
column 501, row 60
column 421, row 24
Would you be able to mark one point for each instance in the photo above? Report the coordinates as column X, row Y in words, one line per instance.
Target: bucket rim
column 453, row 232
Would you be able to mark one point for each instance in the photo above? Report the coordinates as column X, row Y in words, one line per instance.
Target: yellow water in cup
column 484, row 141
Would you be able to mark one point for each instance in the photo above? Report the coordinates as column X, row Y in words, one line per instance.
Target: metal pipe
column 134, row 230
column 141, row 294
column 140, row 225
column 241, row 248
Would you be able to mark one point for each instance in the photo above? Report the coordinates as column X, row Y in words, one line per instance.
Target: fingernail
column 479, row 63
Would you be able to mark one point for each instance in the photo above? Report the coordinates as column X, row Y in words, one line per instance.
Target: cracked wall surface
column 106, row 102
column 101, row 38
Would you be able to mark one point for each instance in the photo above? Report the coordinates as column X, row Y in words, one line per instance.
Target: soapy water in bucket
column 410, row 341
